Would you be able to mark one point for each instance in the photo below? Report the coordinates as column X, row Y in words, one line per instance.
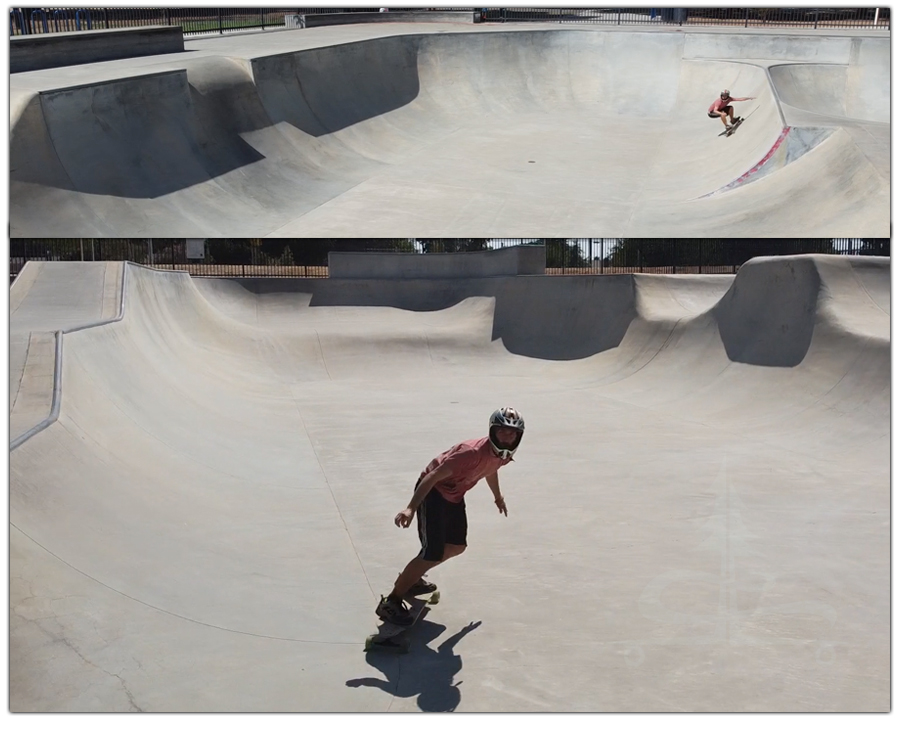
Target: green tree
column 564, row 253
column 229, row 251
column 692, row 252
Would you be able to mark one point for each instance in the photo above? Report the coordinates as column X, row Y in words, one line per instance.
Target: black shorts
column 440, row 522
column 726, row 110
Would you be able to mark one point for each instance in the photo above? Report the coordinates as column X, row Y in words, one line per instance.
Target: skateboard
column 731, row 128
column 388, row 633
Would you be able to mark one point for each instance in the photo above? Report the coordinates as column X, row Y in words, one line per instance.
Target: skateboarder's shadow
column 425, row 673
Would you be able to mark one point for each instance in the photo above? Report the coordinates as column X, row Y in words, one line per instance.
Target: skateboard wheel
column 435, row 598
column 370, row 641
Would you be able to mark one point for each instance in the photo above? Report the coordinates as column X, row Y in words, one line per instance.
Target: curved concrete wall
column 858, row 87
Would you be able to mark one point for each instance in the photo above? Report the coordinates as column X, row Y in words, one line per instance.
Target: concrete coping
column 64, row 36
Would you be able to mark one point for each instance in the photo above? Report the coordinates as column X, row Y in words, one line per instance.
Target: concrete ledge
column 521, row 260
column 335, row 19
column 47, row 51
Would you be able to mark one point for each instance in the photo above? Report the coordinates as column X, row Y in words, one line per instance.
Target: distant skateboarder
column 723, row 109
column 440, row 509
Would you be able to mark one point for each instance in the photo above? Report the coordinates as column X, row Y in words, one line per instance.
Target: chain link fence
column 308, row 258
column 197, row 21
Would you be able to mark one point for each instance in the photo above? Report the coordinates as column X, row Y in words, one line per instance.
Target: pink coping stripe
column 744, row 176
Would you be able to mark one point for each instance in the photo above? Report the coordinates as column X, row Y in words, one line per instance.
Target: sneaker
column 422, row 588
column 393, row 612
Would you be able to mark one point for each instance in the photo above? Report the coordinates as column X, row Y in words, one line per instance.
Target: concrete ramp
column 440, row 132
column 708, row 455
column 45, row 300
column 859, row 89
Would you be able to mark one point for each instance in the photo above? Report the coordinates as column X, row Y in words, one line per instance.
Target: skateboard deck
column 386, row 639
column 731, row 128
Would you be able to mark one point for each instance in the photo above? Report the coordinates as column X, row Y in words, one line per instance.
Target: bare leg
column 417, row 567
column 724, row 117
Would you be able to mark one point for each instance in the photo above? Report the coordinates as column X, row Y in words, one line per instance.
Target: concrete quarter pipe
column 699, row 508
column 436, row 131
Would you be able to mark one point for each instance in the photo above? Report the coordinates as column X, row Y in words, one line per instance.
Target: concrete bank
column 51, row 50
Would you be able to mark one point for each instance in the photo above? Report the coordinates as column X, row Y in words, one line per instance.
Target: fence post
column 746, row 17
column 219, row 13
column 262, row 20
column 43, row 16
column 877, row 10
column 619, row 16
column 816, row 20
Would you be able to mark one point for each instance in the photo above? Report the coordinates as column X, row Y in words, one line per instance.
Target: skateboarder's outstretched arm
column 494, row 483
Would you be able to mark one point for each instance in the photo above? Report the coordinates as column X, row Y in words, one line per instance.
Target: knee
column 451, row 550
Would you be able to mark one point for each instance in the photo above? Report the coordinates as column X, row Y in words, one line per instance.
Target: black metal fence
column 196, row 21
column 308, row 258
column 740, row 17
column 193, row 21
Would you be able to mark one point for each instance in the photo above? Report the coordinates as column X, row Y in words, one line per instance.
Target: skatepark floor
column 699, row 511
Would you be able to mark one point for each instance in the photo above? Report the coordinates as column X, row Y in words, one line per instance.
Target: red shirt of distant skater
column 468, row 462
column 721, row 103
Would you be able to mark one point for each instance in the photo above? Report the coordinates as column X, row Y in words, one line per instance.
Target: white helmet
column 507, row 418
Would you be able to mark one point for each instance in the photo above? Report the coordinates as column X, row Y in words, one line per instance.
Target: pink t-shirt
column 470, row 461
column 720, row 104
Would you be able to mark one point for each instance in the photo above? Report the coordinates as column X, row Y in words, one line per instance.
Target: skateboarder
column 722, row 108
column 440, row 509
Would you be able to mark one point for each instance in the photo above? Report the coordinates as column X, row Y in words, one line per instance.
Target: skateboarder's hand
column 403, row 518
column 501, row 506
